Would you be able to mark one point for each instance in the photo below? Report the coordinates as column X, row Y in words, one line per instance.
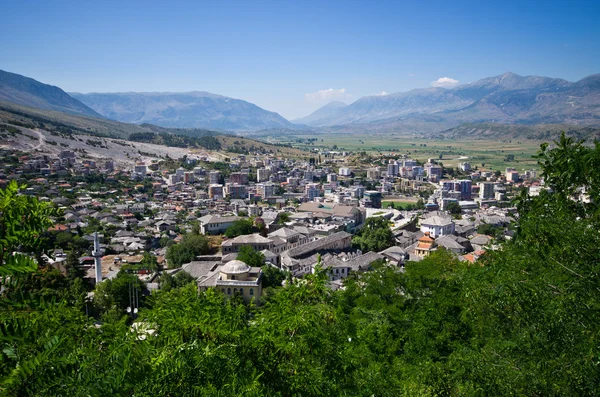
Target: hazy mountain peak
column 195, row 109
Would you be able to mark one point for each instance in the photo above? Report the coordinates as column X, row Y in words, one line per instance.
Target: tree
column 186, row 251
column 119, row 292
column 250, row 256
column 453, row 208
column 240, row 228
column 375, row 235
column 23, row 219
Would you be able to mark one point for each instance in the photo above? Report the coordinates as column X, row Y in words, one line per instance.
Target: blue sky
column 294, row 56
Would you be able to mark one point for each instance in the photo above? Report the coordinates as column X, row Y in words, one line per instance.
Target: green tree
column 453, row 208
column 375, row 235
column 240, row 228
column 186, row 251
column 250, row 256
column 23, row 220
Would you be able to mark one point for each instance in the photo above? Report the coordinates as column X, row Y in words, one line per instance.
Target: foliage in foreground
column 526, row 322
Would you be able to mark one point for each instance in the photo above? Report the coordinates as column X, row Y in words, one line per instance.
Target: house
column 213, row 224
column 425, row 246
column 256, row 241
column 437, row 226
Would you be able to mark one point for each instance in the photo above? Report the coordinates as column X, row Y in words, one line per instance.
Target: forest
column 524, row 320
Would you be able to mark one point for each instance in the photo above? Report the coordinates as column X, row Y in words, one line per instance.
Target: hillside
column 183, row 110
column 52, row 131
column 25, row 91
column 507, row 99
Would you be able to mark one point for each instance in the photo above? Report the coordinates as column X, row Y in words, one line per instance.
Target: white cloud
column 382, row 93
column 411, row 75
column 445, row 82
column 328, row 94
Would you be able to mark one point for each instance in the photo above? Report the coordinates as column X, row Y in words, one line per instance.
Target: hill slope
column 25, row 91
column 183, row 110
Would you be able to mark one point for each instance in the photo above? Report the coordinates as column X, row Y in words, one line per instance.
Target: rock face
column 183, row 110
column 25, row 91
column 508, row 98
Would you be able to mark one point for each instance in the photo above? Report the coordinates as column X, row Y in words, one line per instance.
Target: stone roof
column 362, row 262
column 436, row 221
column 235, row 267
column 249, row 239
column 198, row 269
column 218, row 219
column 317, row 245
column 284, row 232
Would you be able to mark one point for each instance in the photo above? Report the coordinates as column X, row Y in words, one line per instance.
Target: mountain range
column 183, row 110
column 505, row 99
column 508, row 98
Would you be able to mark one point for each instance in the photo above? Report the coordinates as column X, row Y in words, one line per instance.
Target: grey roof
column 449, row 243
column 317, row 245
column 249, row 239
column 436, row 221
column 218, row 219
column 363, row 261
column 198, row 269
column 284, row 232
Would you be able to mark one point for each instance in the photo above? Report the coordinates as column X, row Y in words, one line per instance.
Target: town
column 295, row 213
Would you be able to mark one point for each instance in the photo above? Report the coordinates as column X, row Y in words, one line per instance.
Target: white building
column 437, row 226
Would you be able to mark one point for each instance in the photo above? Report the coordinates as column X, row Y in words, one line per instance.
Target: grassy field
column 398, row 203
column 486, row 154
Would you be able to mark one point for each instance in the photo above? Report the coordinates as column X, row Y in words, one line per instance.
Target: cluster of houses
column 309, row 212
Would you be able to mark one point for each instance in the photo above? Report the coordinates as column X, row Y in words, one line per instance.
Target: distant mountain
column 508, row 98
column 183, row 110
column 25, row 91
column 326, row 112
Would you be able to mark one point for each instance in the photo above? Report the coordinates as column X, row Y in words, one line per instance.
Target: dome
column 235, row 267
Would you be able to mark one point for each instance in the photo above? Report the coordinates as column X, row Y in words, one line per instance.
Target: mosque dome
column 235, row 267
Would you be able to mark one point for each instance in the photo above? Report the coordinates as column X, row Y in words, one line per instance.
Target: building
column 373, row 173
column 236, row 191
column 265, row 190
column 344, row 171
column 373, row 197
column 486, row 190
column 256, row 241
column 332, row 178
column 213, row 224
column 425, row 246
column 434, row 172
column 312, row 191
column 240, row 178
column 215, row 191
column 235, row 278
column 262, row 175
column 462, row 187
column 393, row 168
column 214, row 177
column 437, row 226
column 512, row 176
column 465, row 167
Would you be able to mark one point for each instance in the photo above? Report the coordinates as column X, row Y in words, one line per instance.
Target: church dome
column 235, row 267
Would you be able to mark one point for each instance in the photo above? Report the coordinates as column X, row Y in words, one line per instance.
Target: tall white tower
column 97, row 258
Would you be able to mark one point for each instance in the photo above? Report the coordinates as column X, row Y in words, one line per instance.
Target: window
column 228, row 291
column 251, row 291
column 223, row 290
column 241, row 291
column 234, row 290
